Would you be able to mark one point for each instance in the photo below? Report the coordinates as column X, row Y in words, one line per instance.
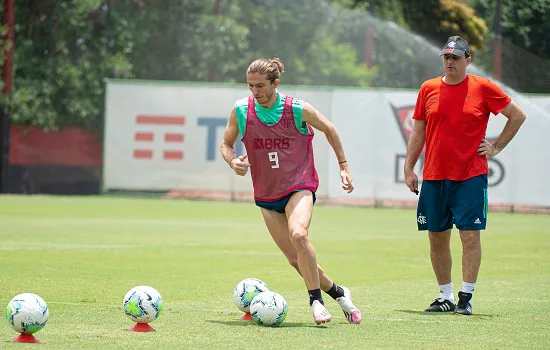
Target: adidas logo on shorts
column 477, row 221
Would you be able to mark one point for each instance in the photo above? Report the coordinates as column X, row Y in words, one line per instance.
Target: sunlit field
column 82, row 254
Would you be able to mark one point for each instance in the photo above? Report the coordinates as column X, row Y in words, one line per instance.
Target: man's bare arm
column 317, row 120
column 414, row 149
column 229, row 138
column 516, row 117
column 415, row 144
column 227, row 148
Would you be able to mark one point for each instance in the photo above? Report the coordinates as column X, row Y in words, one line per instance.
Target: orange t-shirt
column 456, row 121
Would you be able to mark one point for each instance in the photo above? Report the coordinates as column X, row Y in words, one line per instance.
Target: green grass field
column 82, row 254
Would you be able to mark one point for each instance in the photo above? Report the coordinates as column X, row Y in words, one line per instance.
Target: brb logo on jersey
column 271, row 143
column 404, row 118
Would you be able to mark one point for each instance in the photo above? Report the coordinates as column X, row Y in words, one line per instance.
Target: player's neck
column 454, row 80
column 271, row 101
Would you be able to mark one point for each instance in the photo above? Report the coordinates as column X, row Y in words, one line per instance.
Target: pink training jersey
column 281, row 158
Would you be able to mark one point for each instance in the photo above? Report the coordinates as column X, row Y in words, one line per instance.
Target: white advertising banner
column 542, row 101
column 165, row 137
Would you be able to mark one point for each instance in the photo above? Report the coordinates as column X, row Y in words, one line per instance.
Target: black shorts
column 280, row 205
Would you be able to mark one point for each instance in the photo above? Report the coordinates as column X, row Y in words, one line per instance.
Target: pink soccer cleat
column 352, row 313
column 320, row 314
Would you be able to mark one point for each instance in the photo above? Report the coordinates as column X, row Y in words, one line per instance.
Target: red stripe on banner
column 173, row 155
column 143, row 136
column 143, row 154
column 159, row 120
column 173, row 137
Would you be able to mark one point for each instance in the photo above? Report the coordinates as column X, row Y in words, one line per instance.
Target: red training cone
column 26, row 338
column 142, row 327
column 246, row 317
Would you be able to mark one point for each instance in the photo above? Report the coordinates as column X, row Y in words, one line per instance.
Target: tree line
column 64, row 49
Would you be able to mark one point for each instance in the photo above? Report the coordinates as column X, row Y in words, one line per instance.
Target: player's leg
column 470, row 208
column 342, row 295
column 298, row 211
column 471, row 261
column 441, row 258
column 440, row 255
column 277, row 225
column 471, row 254
column 434, row 215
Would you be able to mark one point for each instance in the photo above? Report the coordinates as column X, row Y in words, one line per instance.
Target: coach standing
column 451, row 117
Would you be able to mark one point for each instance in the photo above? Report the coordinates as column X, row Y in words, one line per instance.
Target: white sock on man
column 446, row 292
column 468, row 287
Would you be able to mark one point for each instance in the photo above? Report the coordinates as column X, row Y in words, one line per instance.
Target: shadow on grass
column 252, row 324
column 446, row 314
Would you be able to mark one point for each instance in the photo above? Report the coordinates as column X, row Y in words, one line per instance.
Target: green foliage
column 65, row 49
column 187, row 40
column 526, row 23
column 440, row 19
column 390, row 10
column 526, row 46
column 329, row 62
column 403, row 59
column 306, row 36
column 458, row 18
column 62, row 53
column 400, row 60
column 4, row 46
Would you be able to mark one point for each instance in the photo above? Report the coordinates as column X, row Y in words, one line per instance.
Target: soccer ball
column 268, row 309
column 245, row 291
column 143, row 304
column 27, row 313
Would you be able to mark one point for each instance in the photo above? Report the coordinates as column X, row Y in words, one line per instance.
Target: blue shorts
column 280, row 205
column 443, row 203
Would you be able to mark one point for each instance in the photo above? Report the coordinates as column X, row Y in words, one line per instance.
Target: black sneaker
column 464, row 307
column 441, row 305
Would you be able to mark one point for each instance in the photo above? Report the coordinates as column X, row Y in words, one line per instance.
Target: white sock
column 446, row 291
column 468, row 287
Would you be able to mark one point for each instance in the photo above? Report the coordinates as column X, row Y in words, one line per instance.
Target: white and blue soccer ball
column 268, row 309
column 143, row 304
column 27, row 313
column 245, row 291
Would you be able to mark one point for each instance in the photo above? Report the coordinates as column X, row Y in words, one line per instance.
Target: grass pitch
column 82, row 254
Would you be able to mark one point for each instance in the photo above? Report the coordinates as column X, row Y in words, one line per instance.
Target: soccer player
column 277, row 133
column 451, row 116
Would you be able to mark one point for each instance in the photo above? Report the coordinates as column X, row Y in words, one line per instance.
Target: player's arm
column 317, row 120
column 516, row 117
column 227, row 148
column 414, row 148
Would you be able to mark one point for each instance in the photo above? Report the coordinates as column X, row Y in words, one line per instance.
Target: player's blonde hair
column 270, row 67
